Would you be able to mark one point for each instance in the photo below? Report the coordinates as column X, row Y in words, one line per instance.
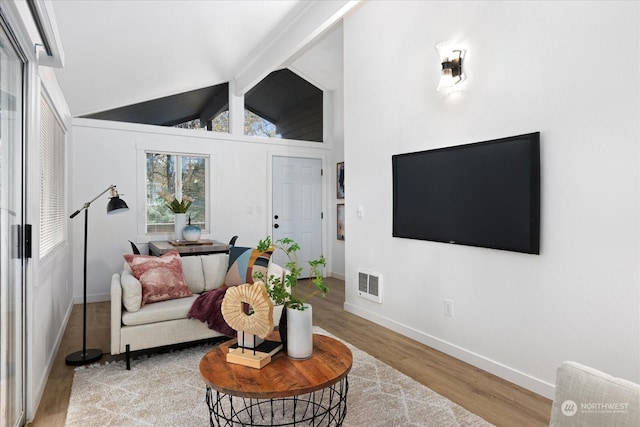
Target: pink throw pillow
column 161, row 277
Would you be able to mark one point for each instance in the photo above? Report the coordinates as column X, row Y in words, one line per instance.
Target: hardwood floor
column 496, row 400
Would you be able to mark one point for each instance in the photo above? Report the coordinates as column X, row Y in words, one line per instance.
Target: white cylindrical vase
column 181, row 222
column 300, row 333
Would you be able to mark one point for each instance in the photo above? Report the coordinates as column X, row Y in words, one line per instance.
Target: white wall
column 106, row 153
column 566, row 69
column 49, row 295
column 338, row 258
column 322, row 65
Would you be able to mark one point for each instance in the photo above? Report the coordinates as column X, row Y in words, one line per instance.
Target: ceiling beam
column 214, row 107
column 306, row 22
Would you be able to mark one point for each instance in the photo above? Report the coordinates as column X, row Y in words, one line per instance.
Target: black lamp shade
column 116, row 205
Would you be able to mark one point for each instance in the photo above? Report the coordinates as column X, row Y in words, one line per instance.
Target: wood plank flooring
column 496, row 400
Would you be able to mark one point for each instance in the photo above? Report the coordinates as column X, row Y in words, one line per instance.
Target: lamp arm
column 87, row 204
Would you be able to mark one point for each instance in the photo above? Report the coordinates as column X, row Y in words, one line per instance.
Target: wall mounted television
column 483, row 194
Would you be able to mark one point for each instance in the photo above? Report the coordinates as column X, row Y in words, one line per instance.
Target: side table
column 157, row 248
column 286, row 392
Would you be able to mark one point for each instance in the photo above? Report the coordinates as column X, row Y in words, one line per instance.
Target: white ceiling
column 122, row 52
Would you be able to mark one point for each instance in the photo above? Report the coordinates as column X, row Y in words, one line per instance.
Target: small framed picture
column 340, row 221
column 340, row 181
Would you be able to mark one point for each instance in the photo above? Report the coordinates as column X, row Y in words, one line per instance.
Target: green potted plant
column 296, row 321
column 179, row 208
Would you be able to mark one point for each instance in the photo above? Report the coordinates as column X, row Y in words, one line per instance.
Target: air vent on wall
column 370, row 286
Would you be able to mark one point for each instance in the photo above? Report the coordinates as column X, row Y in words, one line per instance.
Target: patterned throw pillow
column 161, row 277
column 246, row 265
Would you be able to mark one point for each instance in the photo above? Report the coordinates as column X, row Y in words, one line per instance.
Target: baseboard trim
column 337, row 275
column 92, row 298
column 514, row 376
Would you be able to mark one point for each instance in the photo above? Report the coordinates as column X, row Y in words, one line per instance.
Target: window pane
column 161, row 179
column 288, row 103
column 193, row 185
column 174, row 176
column 191, row 124
column 254, row 125
column 220, row 123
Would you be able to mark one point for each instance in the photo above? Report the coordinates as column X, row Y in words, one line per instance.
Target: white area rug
column 166, row 390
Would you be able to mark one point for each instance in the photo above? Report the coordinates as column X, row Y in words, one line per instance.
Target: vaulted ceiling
column 119, row 53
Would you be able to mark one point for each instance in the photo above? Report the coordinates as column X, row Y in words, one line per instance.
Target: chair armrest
column 116, row 312
column 587, row 396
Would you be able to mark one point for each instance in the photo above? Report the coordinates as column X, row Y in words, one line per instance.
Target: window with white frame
column 52, row 178
column 175, row 176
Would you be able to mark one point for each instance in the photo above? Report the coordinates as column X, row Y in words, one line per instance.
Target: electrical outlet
column 448, row 308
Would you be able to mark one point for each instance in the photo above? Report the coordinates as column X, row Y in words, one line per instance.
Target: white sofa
column 166, row 323
column 587, row 397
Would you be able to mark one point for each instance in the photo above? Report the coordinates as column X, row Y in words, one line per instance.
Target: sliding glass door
column 11, row 228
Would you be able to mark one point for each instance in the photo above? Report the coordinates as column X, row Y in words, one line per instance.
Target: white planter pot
column 300, row 333
column 181, row 222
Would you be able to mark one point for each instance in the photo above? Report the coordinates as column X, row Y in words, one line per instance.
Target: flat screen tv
column 484, row 194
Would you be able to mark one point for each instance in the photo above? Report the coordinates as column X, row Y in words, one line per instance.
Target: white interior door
column 297, row 206
column 11, row 229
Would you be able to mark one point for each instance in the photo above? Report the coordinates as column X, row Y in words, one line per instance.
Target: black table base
column 325, row 407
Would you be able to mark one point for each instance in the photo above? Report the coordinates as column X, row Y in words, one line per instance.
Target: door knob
column 275, row 226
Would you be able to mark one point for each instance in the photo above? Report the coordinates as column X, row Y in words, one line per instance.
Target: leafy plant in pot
column 295, row 324
column 179, row 208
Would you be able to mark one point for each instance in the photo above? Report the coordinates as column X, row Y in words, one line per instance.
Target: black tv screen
column 483, row 194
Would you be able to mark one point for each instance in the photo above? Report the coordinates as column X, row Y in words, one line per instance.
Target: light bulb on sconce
column 451, row 61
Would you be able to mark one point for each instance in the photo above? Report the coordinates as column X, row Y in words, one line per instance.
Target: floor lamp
column 116, row 205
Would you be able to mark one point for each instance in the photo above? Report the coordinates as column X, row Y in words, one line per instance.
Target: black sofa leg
column 128, row 352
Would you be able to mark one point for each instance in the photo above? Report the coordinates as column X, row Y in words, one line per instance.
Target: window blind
column 52, row 177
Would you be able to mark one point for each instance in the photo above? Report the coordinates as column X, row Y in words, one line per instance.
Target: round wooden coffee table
column 285, row 392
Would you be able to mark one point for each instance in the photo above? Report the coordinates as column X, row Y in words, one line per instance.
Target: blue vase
column 191, row 233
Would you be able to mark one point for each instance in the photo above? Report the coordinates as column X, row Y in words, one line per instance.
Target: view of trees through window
column 220, row 123
column 254, row 125
column 179, row 176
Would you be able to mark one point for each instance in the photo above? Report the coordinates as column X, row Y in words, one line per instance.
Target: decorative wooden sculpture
column 257, row 321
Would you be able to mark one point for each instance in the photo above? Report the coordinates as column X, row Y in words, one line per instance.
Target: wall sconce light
column 451, row 60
